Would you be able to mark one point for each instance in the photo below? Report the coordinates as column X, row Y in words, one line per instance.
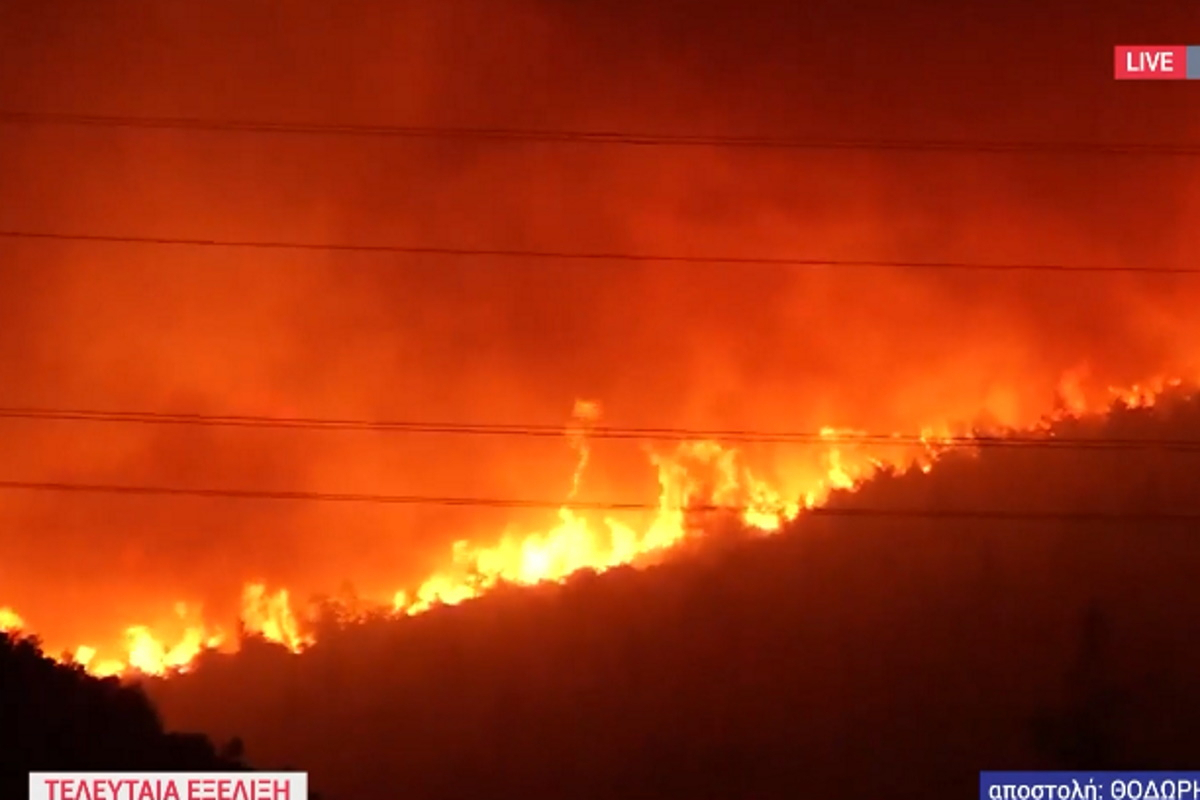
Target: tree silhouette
column 234, row 749
column 56, row 717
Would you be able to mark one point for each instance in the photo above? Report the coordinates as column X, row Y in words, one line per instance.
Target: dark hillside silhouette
column 55, row 717
column 849, row 657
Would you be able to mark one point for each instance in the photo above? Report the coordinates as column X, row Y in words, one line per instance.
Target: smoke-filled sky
column 134, row 327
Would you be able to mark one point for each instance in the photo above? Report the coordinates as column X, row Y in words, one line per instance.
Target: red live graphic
column 1150, row 62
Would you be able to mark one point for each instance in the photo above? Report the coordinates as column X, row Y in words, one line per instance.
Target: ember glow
column 694, row 478
column 10, row 621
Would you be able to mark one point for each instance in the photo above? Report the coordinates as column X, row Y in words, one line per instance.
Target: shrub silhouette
column 56, row 717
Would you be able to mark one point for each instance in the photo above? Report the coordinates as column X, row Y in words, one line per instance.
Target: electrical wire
column 610, row 506
column 597, row 257
column 667, row 434
column 591, row 137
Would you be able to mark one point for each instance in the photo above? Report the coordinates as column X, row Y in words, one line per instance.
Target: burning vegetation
column 701, row 483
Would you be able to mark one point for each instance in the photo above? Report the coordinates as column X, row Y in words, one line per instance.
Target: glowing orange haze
column 696, row 473
column 337, row 334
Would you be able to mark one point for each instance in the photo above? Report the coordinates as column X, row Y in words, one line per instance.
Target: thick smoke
column 368, row 335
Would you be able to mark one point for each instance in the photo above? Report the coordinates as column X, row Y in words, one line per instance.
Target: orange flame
column 695, row 477
column 698, row 474
column 1142, row 395
column 270, row 616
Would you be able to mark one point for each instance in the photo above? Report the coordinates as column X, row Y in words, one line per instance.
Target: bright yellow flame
column 10, row 621
column 149, row 653
column 270, row 616
column 150, row 656
column 696, row 478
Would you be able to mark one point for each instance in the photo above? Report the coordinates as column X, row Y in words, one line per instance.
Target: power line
column 513, row 503
column 559, row 255
column 592, row 137
column 677, row 434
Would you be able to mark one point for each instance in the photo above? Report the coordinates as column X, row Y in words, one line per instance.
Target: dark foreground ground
column 1028, row 608
column 58, row 718
column 851, row 657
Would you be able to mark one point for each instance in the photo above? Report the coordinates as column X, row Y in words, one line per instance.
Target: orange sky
column 229, row 331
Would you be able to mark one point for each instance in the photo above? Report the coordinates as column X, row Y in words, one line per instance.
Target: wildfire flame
column 270, row 616
column 10, row 621
column 694, row 477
